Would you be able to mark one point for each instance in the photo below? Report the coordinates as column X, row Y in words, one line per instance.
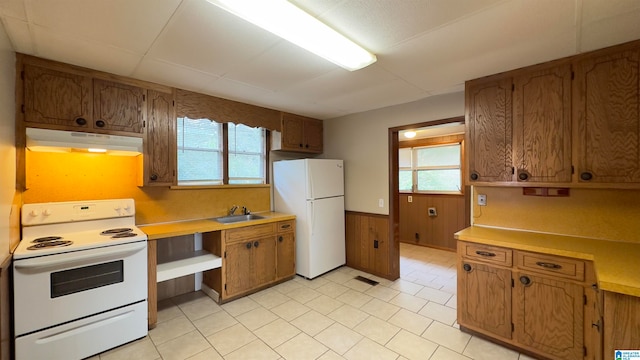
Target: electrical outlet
column 380, row 202
column 409, row 198
column 482, row 200
column 432, row 211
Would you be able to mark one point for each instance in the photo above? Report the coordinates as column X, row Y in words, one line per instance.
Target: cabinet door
column 56, row 98
column 542, row 125
column 621, row 323
column 549, row 316
column 607, row 113
column 292, row 132
column 160, row 142
column 237, row 262
column 489, row 130
column 313, row 135
column 118, row 107
column 286, row 255
column 264, row 260
column 484, row 298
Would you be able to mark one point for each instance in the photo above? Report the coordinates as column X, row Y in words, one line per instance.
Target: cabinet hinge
column 225, row 286
column 513, row 328
column 144, row 97
column 584, row 350
column 513, row 283
column 144, row 124
column 513, row 170
column 225, row 256
column 585, row 299
column 22, row 75
column 375, row 244
column 22, row 108
column 573, row 170
column 173, row 103
column 513, row 87
column 573, row 75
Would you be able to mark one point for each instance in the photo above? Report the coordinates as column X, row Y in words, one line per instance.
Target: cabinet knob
column 248, row 245
column 153, row 177
column 586, row 176
column 100, row 123
column 307, row 146
column 523, row 176
column 81, row 121
column 300, row 145
column 474, row 176
column 256, row 243
column 466, row 267
column 280, row 238
column 525, row 280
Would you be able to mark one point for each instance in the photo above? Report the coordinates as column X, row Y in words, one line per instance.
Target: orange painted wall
column 79, row 176
column 594, row 213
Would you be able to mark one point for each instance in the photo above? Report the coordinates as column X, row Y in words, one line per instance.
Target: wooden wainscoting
column 368, row 245
column 417, row 227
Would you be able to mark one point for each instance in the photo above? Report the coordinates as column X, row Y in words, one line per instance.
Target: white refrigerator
column 313, row 190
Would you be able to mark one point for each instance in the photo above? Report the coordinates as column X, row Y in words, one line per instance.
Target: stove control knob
column 127, row 208
column 47, row 212
column 34, row 213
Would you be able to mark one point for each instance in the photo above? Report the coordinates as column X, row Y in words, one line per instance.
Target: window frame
column 415, row 169
column 224, row 182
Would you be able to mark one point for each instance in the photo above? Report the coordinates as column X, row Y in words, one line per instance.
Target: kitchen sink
column 238, row 218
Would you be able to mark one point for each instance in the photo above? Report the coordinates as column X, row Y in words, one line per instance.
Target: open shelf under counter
column 200, row 260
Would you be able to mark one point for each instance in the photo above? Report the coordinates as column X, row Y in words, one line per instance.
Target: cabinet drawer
column 250, row 232
column 286, row 226
column 487, row 253
column 552, row 265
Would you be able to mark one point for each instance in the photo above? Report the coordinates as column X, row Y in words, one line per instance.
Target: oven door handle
column 78, row 258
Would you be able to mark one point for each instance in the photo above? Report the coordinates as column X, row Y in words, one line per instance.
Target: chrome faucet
column 245, row 211
column 233, row 210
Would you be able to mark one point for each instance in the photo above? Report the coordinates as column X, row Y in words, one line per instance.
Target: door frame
column 394, row 194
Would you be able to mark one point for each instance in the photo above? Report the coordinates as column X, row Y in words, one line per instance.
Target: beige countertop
column 178, row 228
column 617, row 264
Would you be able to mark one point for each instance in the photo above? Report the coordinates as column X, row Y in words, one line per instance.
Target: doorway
column 432, row 231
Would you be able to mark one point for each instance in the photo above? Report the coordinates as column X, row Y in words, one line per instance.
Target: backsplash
column 79, row 176
column 594, row 213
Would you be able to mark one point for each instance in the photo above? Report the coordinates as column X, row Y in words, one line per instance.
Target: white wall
column 7, row 138
column 362, row 141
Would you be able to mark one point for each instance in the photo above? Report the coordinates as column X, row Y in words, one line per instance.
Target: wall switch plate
column 482, row 200
column 380, row 202
column 409, row 198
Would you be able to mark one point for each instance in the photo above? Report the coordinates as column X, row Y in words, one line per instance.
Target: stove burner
column 116, row 231
column 46, row 239
column 124, row 235
column 48, row 244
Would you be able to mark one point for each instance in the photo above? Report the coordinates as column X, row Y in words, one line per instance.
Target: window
column 211, row 153
column 430, row 169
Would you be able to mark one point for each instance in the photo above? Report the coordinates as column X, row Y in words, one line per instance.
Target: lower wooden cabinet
column 253, row 257
column 621, row 323
column 541, row 304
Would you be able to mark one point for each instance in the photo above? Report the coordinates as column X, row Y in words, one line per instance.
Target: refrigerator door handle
column 311, row 218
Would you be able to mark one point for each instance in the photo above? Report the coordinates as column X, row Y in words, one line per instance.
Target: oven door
column 54, row 289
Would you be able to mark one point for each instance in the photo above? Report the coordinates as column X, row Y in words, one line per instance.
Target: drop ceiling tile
column 610, row 31
column 131, row 25
column 204, row 37
column 13, row 8
column 76, row 51
column 280, row 66
column 172, row 75
column 19, row 35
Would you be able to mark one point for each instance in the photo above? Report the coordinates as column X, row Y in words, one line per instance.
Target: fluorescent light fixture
column 294, row 25
column 94, row 150
column 410, row 134
column 47, row 140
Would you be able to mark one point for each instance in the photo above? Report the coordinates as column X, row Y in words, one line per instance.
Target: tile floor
column 331, row 317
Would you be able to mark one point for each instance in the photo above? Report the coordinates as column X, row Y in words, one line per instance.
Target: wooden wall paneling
column 362, row 229
column 352, row 227
column 621, row 323
column 152, row 289
column 380, row 255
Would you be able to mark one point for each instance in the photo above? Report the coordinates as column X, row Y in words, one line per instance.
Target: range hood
column 45, row 140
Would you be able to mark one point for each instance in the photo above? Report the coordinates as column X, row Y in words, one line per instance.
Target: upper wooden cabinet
column 69, row 98
column 607, row 112
column 489, row 129
column 160, row 140
column 56, row 98
column 118, row 107
column 571, row 122
column 299, row 134
column 542, row 125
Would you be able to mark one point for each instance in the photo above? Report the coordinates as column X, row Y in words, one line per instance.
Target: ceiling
column 424, row 47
